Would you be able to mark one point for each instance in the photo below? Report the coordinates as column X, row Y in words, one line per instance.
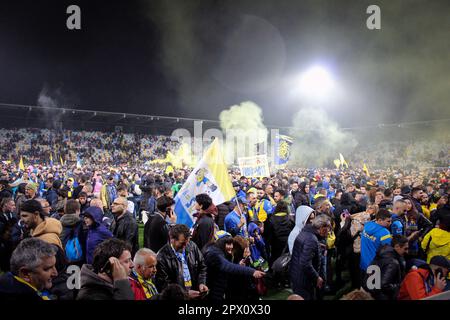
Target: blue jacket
column 97, row 232
column 220, row 271
column 372, row 238
column 306, row 264
column 258, row 249
column 52, row 198
column 231, row 225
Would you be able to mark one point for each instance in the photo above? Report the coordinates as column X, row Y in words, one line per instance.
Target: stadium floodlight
column 316, row 82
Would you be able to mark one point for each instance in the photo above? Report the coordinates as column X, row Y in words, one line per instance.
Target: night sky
column 194, row 58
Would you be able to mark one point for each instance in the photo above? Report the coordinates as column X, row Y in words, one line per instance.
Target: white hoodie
column 301, row 217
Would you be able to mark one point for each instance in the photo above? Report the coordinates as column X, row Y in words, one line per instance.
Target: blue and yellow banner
column 282, row 149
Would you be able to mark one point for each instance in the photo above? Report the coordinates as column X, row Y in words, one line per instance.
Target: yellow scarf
column 40, row 294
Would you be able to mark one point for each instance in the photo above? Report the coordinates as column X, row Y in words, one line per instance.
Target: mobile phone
column 169, row 211
column 203, row 294
column 439, row 273
column 107, row 268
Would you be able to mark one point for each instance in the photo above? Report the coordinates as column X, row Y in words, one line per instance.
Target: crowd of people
column 316, row 233
column 93, row 147
column 106, row 148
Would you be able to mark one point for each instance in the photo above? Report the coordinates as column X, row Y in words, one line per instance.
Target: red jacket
column 138, row 291
column 413, row 286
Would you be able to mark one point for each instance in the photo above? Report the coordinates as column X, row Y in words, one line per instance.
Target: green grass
column 141, row 235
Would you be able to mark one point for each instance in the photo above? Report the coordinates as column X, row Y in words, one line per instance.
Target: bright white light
column 316, row 82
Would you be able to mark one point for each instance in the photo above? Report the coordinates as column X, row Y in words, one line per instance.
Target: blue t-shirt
column 231, row 222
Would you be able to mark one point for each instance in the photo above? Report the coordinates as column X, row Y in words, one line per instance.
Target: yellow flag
column 337, row 163
column 169, row 169
column 21, row 166
column 61, row 160
column 343, row 162
column 365, row 169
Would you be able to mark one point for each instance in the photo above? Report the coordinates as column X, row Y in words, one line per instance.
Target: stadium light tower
column 316, row 83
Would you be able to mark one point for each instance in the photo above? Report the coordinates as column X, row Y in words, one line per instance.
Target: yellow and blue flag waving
column 210, row 176
column 282, row 149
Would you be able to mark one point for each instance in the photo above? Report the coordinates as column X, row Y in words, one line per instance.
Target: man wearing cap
column 237, row 188
column 31, row 191
column 425, row 281
column 30, row 194
column 235, row 222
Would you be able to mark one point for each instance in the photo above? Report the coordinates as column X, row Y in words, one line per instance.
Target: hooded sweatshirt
column 95, row 288
column 49, row 231
column 372, row 237
column 438, row 243
column 301, row 217
column 97, row 232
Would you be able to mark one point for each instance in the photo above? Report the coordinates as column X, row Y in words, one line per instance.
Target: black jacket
column 203, row 231
column 5, row 193
column 125, row 228
column 276, row 233
column 300, row 199
column 95, row 288
column 7, row 243
column 306, row 264
column 156, row 233
column 392, row 267
column 170, row 269
column 13, row 290
column 223, row 209
column 220, row 270
column 52, row 198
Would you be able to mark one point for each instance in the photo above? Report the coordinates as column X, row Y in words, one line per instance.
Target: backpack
column 73, row 249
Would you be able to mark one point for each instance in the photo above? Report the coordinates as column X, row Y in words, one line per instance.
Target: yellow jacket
column 439, row 244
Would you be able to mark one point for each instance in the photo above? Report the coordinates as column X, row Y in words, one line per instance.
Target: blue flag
column 282, row 149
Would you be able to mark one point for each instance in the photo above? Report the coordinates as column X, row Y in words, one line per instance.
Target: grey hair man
column 144, row 271
column 32, row 270
column 307, row 263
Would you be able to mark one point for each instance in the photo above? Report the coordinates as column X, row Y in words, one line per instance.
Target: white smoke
column 318, row 139
column 244, row 130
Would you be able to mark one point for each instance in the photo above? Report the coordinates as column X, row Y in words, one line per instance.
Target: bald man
column 124, row 226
